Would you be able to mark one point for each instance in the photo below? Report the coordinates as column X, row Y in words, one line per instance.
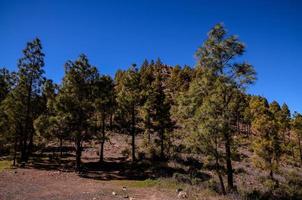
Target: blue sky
column 114, row 34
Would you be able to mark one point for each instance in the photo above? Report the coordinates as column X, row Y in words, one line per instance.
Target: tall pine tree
column 129, row 101
column 74, row 101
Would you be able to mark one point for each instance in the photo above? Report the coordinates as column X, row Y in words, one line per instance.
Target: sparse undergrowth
column 5, row 164
column 167, row 183
column 173, row 185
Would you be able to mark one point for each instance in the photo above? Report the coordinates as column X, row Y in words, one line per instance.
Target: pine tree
column 213, row 93
column 147, row 77
column 74, row 102
column 267, row 142
column 160, row 112
column 179, row 81
column 297, row 128
column 30, row 78
column 285, row 122
column 104, row 103
column 7, row 81
column 278, row 120
column 48, row 125
column 129, row 101
column 12, row 119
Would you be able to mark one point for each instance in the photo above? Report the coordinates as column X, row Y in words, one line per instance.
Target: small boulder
column 182, row 195
column 178, row 190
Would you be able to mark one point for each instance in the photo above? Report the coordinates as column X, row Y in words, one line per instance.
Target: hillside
column 49, row 177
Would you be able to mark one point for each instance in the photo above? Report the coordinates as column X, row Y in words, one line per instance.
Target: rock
column 182, row 195
column 126, row 196
column 131, row 198
column 114, row 193
column 94, row 198
column 124, row 188
column 178, row 190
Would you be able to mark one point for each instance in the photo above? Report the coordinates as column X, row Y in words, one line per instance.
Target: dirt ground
column 49, row 177
column 35, row 184
column 45, row 179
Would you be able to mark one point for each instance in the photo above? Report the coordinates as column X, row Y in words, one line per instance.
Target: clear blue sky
column 115, row 34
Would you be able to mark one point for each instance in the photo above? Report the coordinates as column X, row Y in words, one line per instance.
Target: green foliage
column 128, row 101
column 210, row 107
column 297, row 129
column 7, row 81
column 267, row 144
column 104, row 104
column 74, row 102
column 21, row 106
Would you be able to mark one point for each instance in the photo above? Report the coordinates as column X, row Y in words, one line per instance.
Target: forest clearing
column 148, row 131
column 52, row 177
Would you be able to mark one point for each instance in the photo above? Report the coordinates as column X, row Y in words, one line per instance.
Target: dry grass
column 5, row 164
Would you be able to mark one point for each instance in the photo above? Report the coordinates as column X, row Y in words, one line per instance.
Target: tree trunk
column 162, row 155
column 15, row 151
column 78, row 154
column 271, row 174
column 24, row 152
column 149, row 137
column 110, row 121
column 148, row 129
column 293, row 152
column 102, row 141
column 300, row 149
column 220, row 177
column 229, row 161
column 23, row 148
column 133, row 134
column 61, row 147
column 30, row 145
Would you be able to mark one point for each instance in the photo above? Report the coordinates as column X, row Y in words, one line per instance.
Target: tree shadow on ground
column 51, row 163
column 189, row 161
column 119, row 169
column 114, row 168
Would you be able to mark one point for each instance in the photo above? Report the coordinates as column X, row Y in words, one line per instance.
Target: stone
column 182, row 195
column 178, row 190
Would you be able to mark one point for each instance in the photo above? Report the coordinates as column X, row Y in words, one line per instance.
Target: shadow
column 56, row 149
column 113, row 168
column 119, row 169
column 189, row 161
column 46, row 163
column 192, row 179
column 239, row 156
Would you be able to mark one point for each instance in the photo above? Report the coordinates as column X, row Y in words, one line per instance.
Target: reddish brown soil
column 42, row 179
column 34, row 184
